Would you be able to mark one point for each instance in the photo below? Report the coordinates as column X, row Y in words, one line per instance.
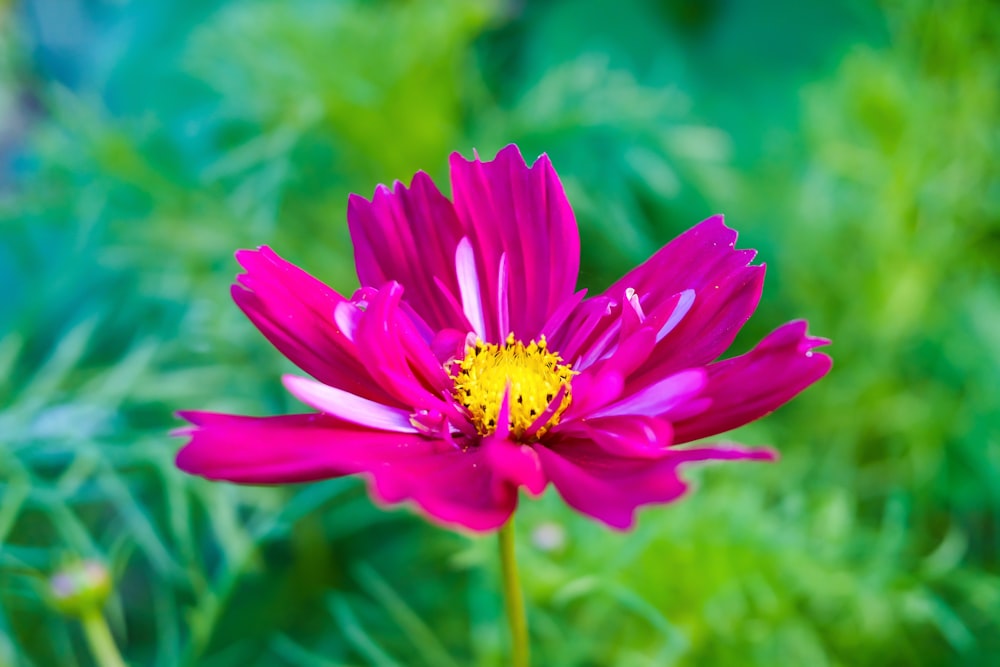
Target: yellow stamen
column 535, row 376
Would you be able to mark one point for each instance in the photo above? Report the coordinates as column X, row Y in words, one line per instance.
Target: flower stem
column 513, row 598
column 102, row 644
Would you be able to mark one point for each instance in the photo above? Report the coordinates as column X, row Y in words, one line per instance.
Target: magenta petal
column 511, row 209
column 595, row 481
column 503, row 415
column 297, row 313
column 726, row 292
column 550, row 409
column 392, row 356
column 678, row 306
column 469, row 289
column 609, row 488
column 290, row 448
column 752, row 385
column 449, row 344
column 503, row 296
column 556, row 321
column 347, row 406
column 631, row 353
column 632, row 313
column 586, row 328
column 724, row 452
column 630, row 436
column 459, row 487
column 593, row 389
column 515, row 463
column 409, row 236
column 452, row 485
column 660, row 397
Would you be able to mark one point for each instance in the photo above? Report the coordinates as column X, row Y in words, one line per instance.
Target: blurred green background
column 853, row 143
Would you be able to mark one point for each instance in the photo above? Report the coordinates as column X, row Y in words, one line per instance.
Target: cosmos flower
column 468, row 366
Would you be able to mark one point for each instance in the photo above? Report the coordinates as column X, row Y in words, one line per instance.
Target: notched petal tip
column 194, row 418
column 382, row 194
column 354, row 200
column 715, row 230
column 755, row 384
column 795, row 333
column 809, row 342
column 190, row 416
column 248, row 257
column 509, row 154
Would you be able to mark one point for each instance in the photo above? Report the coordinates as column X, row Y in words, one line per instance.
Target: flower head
column 467, row 366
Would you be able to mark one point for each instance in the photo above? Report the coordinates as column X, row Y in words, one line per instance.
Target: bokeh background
column 853, row 143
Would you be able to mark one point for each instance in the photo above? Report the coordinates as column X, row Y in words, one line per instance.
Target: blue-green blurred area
column 854, row 144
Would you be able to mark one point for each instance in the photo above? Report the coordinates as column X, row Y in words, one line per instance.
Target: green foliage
column 855, row 147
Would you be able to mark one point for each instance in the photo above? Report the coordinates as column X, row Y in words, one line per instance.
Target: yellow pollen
column 535, row 376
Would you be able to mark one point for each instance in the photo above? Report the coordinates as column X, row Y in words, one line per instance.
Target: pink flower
column 467, row 366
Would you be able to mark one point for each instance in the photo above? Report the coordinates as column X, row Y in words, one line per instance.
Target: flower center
column 535, row 376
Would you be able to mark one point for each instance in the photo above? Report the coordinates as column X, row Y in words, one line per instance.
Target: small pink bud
column 80, row 587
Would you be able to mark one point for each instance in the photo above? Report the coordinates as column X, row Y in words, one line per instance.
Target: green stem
column 102, row 644
column 513, row 597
